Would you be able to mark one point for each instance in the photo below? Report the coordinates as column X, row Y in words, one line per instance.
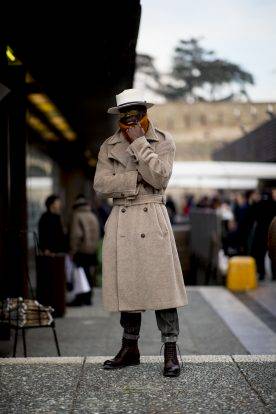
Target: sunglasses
column 133, row 112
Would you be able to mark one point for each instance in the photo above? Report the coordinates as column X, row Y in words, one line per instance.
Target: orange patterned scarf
column 144, row 124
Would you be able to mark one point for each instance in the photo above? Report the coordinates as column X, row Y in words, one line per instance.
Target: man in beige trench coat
column 141, row 268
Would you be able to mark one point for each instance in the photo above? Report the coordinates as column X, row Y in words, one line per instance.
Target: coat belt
column 141, row 199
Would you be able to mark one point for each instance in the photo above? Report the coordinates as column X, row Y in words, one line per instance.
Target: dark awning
column 81, row 54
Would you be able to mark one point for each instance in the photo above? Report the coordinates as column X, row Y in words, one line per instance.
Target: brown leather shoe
column 171, row 364
column 128, row 355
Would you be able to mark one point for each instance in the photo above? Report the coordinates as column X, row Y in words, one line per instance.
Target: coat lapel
column 117, row 148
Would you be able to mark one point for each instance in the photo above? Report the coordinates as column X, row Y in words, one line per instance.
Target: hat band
column 134, row 102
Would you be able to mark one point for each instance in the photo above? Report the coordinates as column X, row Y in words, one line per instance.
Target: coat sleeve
column 155, row 167
column 112, row 184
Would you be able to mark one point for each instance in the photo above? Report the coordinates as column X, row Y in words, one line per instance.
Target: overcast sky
column 242, row 31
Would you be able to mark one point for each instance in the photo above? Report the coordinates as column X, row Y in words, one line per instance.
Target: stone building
column 200, row 129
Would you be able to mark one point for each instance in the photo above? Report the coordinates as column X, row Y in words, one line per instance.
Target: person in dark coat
column 52, row 237
column 264, row 212
column 102, row 211
column 171, row 209
column 230, row 240
column 272, row 246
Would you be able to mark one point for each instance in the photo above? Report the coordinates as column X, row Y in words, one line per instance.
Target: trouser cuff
column 130, row 336
column 165, row 339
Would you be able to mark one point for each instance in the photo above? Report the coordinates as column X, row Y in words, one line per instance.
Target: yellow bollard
column 241, row 275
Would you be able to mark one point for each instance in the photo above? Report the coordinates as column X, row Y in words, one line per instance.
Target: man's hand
column 135, row 132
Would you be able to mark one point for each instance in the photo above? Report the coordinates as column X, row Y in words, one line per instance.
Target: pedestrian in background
column 52, row 236
column 264, row 212
column 272, row 246
column 84, row 237
column 171, row 209
column 51, row 256
column 102, row 210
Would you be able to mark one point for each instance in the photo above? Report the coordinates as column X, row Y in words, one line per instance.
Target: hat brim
column 116, row 109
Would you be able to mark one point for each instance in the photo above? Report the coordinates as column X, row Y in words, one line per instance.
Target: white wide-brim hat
column 129, row 97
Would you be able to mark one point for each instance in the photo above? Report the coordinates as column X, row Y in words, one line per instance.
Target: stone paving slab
column 208, row 384
column 260, row 372
column 158, row 359
column 38, row 387
column 208, row 387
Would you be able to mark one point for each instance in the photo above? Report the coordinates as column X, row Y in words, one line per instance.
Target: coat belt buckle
column 127, row 201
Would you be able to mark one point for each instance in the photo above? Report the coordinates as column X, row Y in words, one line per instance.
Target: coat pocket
column 160, row 219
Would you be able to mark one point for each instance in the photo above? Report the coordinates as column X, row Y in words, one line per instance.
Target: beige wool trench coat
column 141, row 268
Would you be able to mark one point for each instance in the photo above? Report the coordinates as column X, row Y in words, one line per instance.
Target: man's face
column 132, row 114
column 56, row 206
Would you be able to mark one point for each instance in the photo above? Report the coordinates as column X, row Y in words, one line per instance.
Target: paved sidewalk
column 218, row 332
column 215, row 322
column 208, row 384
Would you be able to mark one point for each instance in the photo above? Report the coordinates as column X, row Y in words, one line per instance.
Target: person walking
column 141, row 268
column 84, row 236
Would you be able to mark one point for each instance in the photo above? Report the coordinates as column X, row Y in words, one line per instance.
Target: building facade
column 200, row 129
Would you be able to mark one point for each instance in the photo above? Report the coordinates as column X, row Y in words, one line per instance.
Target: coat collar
column 118, row 145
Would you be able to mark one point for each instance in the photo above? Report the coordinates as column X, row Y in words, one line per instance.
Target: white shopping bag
column 223, row 262
column 80, row 284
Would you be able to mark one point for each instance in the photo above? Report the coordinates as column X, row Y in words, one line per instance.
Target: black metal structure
column 80, row 54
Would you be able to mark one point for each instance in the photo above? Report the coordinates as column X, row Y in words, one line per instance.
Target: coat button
column 123, row 210
column 145, row 209
column 143, row 235
column 114, row 173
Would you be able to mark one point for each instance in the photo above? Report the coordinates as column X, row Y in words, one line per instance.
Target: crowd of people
column 246, row 217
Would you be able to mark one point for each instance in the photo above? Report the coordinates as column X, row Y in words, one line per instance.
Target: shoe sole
column 121, row 366
column 171, row 375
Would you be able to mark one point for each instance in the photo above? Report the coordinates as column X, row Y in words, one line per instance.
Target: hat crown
column 127, row 98
column 130, row 95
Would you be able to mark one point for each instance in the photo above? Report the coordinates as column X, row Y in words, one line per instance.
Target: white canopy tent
column 220, row 175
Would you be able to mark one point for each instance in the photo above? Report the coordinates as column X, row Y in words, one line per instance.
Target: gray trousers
column 167, row 322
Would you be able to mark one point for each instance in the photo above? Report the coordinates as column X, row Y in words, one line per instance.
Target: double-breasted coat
column 141, row 268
